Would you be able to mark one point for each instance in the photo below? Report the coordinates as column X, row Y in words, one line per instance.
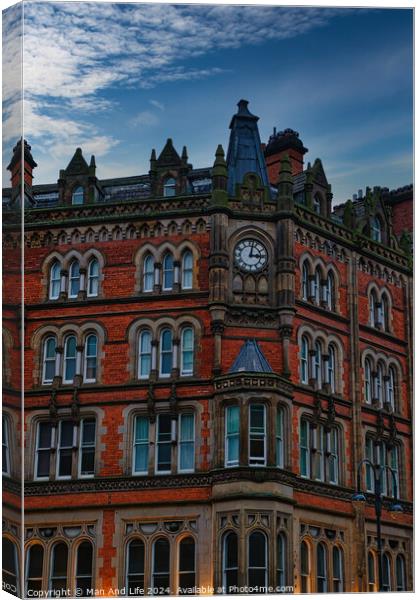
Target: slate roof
column 250, row 359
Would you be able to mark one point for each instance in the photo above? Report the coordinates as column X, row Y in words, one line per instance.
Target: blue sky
column 118, row 79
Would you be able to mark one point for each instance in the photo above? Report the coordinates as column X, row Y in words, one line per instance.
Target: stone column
column 82, row 289
column 63, row 284
column 175, row 353
column 217, row 328
column 286, row 331
column 177, row 273
column 79, row 367
column 154, row 369
column 157, row 283
column 58, row 361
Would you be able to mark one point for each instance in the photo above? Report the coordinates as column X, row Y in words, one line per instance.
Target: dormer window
column 78, row 195
column 169, row 187
column 376, row 230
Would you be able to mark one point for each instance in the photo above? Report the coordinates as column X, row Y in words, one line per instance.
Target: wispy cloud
column 83, row 49
column 158, row 104
column 145, row 117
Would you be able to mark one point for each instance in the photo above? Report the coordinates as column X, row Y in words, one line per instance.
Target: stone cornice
column 234, row 382
column 257, row 475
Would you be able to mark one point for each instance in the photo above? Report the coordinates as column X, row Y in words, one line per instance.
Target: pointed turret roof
column 77, row 165
column 169, row 156
column 250, row 359
column 244, row 153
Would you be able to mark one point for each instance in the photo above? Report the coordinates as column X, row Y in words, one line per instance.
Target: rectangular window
column 163, row 444
column 381, row 451
column 304, row 448
column 186, row 443
column 280, row 438
column 232, row 436
column 318, row 453
column 87, row 448
column 5, row 447
column 369, row 453
column 394, row 484
column 332, row 455
column 257, row 435
column 141, row 446
column 44, row 442
column 65, row 449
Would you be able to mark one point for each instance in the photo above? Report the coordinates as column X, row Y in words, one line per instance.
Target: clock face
column 251, row 255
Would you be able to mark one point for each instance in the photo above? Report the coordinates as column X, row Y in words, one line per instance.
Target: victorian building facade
column 208, row 356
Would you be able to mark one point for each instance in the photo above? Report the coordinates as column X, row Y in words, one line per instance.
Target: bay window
column 257, row 435
column 232, row 436
column 230, row 562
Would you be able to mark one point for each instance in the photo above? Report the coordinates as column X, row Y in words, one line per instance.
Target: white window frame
column 45, row 359
column 158, row 443
column 82, row 446
column 65, row 380
column 78, row 192
column 181, row 442
column 87, row 356
column 143, row 442
column 54, row 280
column 53, row 434
column 368, row 381
column 232, row 463
column 257, row 435
column 91, row 278
column 185, row 270
column 161, row 352
column 72, row 278
column 169, row 185
column 166, row 288
column 141, row 354
column 280, row 441
column 185, row 372
column 303, row 360
column 60, row 448
column 146, row 273
column 306, row 448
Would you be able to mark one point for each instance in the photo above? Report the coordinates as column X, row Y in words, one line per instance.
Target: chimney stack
column 282, row 143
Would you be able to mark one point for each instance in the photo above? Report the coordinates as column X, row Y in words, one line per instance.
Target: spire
column 169, row 156
column 15, row 165
column 77, row 165
column 184, row 155
column 92, row 165
column 244, row 153
column 219, row 178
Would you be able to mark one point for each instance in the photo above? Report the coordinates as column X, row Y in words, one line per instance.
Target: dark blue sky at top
column 346, row 86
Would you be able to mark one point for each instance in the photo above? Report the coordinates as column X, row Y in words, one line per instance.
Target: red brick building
column 208, row 356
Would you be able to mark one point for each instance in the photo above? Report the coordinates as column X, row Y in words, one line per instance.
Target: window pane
column 187, row 566
column 232, row 435
column 9, row 566
column 186, row 442
column 161, row 566
column 59, row 570
column 230, row 563
column 135, row 569
column 141, row 445
column 84, row 568
column 257, row 568
column 44, row 449
column 35, row 558
column 164, row 449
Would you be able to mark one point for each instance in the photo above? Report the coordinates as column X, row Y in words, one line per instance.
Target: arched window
column 317, row 365
column 394, row 485
column 321, row 568
column 84, row 568
column 34, row 566
column 304, row 349
column 400, row 573
column 69, row 359
column 187, row 270
column 58, row 570
column 338, row 570
column 368, row 381
column 166, row 351
column 376, row 230
column 330, row 292
column 257, row 560
column 77, row 196
column 386, row 573
column 332, row 455
column 5, row 445
column 74, row 279
column 379, row 384
column 317, row 204
column 135, row 568
column 390, row 388
column 257, row 435
column 169, row 187
column 168, row 271
column 48, row 370
column 230, row 563
column 93, row 278
column 371, row 572
column 10, row 567
column 55, row 280
column 372, row 309
column 186, row 568
column 304, row 448
column 160, row 566
column 163, row 443
column 187, row 351
column 141, row 445
column 305, row 581
column 317, row 286
column 280, row 438
column 186, row 443
column 370, row 454
column 305, row 280
column 145, row 354
column 281, row 560
column 232, row 436
column 331, row 367
column 384, row 313
column 148, row 273
column 91, row 351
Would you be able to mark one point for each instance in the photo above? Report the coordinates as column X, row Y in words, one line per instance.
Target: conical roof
column 250, row 359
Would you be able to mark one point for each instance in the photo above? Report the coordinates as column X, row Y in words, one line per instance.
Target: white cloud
column 158, row 104
column 145, row 117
